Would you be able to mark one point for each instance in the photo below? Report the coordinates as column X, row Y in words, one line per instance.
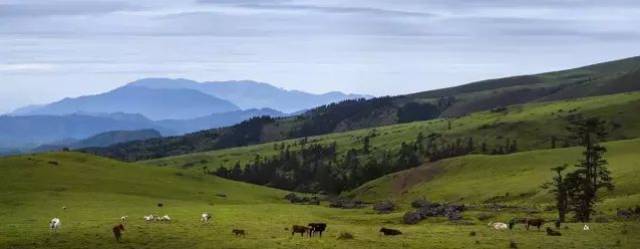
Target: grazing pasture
column 97, row 192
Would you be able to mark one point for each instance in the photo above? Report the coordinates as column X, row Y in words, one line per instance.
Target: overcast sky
column 50, row 49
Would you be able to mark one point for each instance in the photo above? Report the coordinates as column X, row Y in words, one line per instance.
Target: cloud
column 26, row 68
column 340, row 10
column 61, row 8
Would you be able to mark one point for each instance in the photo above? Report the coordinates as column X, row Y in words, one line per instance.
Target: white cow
column 205, row 217
column 123, row 219
column 498, row 225
column 586, row 227
column 54, row 224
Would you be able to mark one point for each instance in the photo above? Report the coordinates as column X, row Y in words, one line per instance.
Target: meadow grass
column 97, row 192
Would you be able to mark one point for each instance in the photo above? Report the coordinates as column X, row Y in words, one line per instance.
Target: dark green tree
column 366, row 145
column 591, row 174
column 558, row 187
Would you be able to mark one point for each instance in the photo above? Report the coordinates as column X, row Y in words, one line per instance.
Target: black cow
column 551, row 232
column 317, row 228
column 390, row 232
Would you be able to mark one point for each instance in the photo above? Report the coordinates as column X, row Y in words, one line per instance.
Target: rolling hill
column 95, row 192
column 594, row 80
column 27, row 132
column 102, row 140
column 531, row 125
column 506, row 179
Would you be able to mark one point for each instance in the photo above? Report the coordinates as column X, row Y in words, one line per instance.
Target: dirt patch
column 404, row 181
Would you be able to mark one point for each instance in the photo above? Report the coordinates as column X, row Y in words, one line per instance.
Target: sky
column 51, row 49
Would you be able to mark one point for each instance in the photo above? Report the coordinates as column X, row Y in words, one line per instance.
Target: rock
column 412, row 217
column 384, row 207
column 345, row 203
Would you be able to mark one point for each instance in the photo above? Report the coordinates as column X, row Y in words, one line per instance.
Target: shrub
column 345, row 235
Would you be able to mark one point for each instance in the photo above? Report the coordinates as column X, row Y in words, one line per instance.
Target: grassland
column 532, row 125
column 508, row 179
column 97, row 191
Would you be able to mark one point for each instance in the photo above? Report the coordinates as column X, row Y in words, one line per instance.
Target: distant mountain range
column 250, row 94
column 152, row 103
column 161, row 98
column 170, row 106
column 598, row 79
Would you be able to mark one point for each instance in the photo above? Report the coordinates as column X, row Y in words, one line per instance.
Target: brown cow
column 239, row 232
column 117, row 231
column 536, row 222
column 299, row 229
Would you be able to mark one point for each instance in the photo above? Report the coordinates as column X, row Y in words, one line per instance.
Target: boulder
column 384, row 207
column 412, row 217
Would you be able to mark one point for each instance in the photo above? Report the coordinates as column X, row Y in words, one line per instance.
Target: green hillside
column 531, row 125
column 97, row 191
column 595, row 80
column 512, row 179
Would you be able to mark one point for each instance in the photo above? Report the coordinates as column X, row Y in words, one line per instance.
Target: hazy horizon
column 55, row 49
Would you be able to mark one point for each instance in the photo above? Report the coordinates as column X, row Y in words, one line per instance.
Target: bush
column 384, row 207
column 345, row 235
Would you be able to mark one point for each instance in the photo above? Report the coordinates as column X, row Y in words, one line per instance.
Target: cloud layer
column 68, row 48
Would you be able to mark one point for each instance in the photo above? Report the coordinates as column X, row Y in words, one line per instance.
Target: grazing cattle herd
column 316, row 229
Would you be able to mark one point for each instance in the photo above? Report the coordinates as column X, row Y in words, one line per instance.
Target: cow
column 551, row 232
column 123, row 219
column 498, row 225
column 586, row 227
column 299, row 229
column 389, row 231
column 536, row 222
column 205, row 217
column 317, row 228
column 54, row 224
column 117, row 231
column 239, row 232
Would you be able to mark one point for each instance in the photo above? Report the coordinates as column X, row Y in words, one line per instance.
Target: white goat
column 54, row 224
column 165, row 218
column 205, row 217
column 149, row 217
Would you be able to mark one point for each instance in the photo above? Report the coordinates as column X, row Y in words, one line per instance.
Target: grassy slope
column 98, row 191
column 480, row 178
column 531, row 124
